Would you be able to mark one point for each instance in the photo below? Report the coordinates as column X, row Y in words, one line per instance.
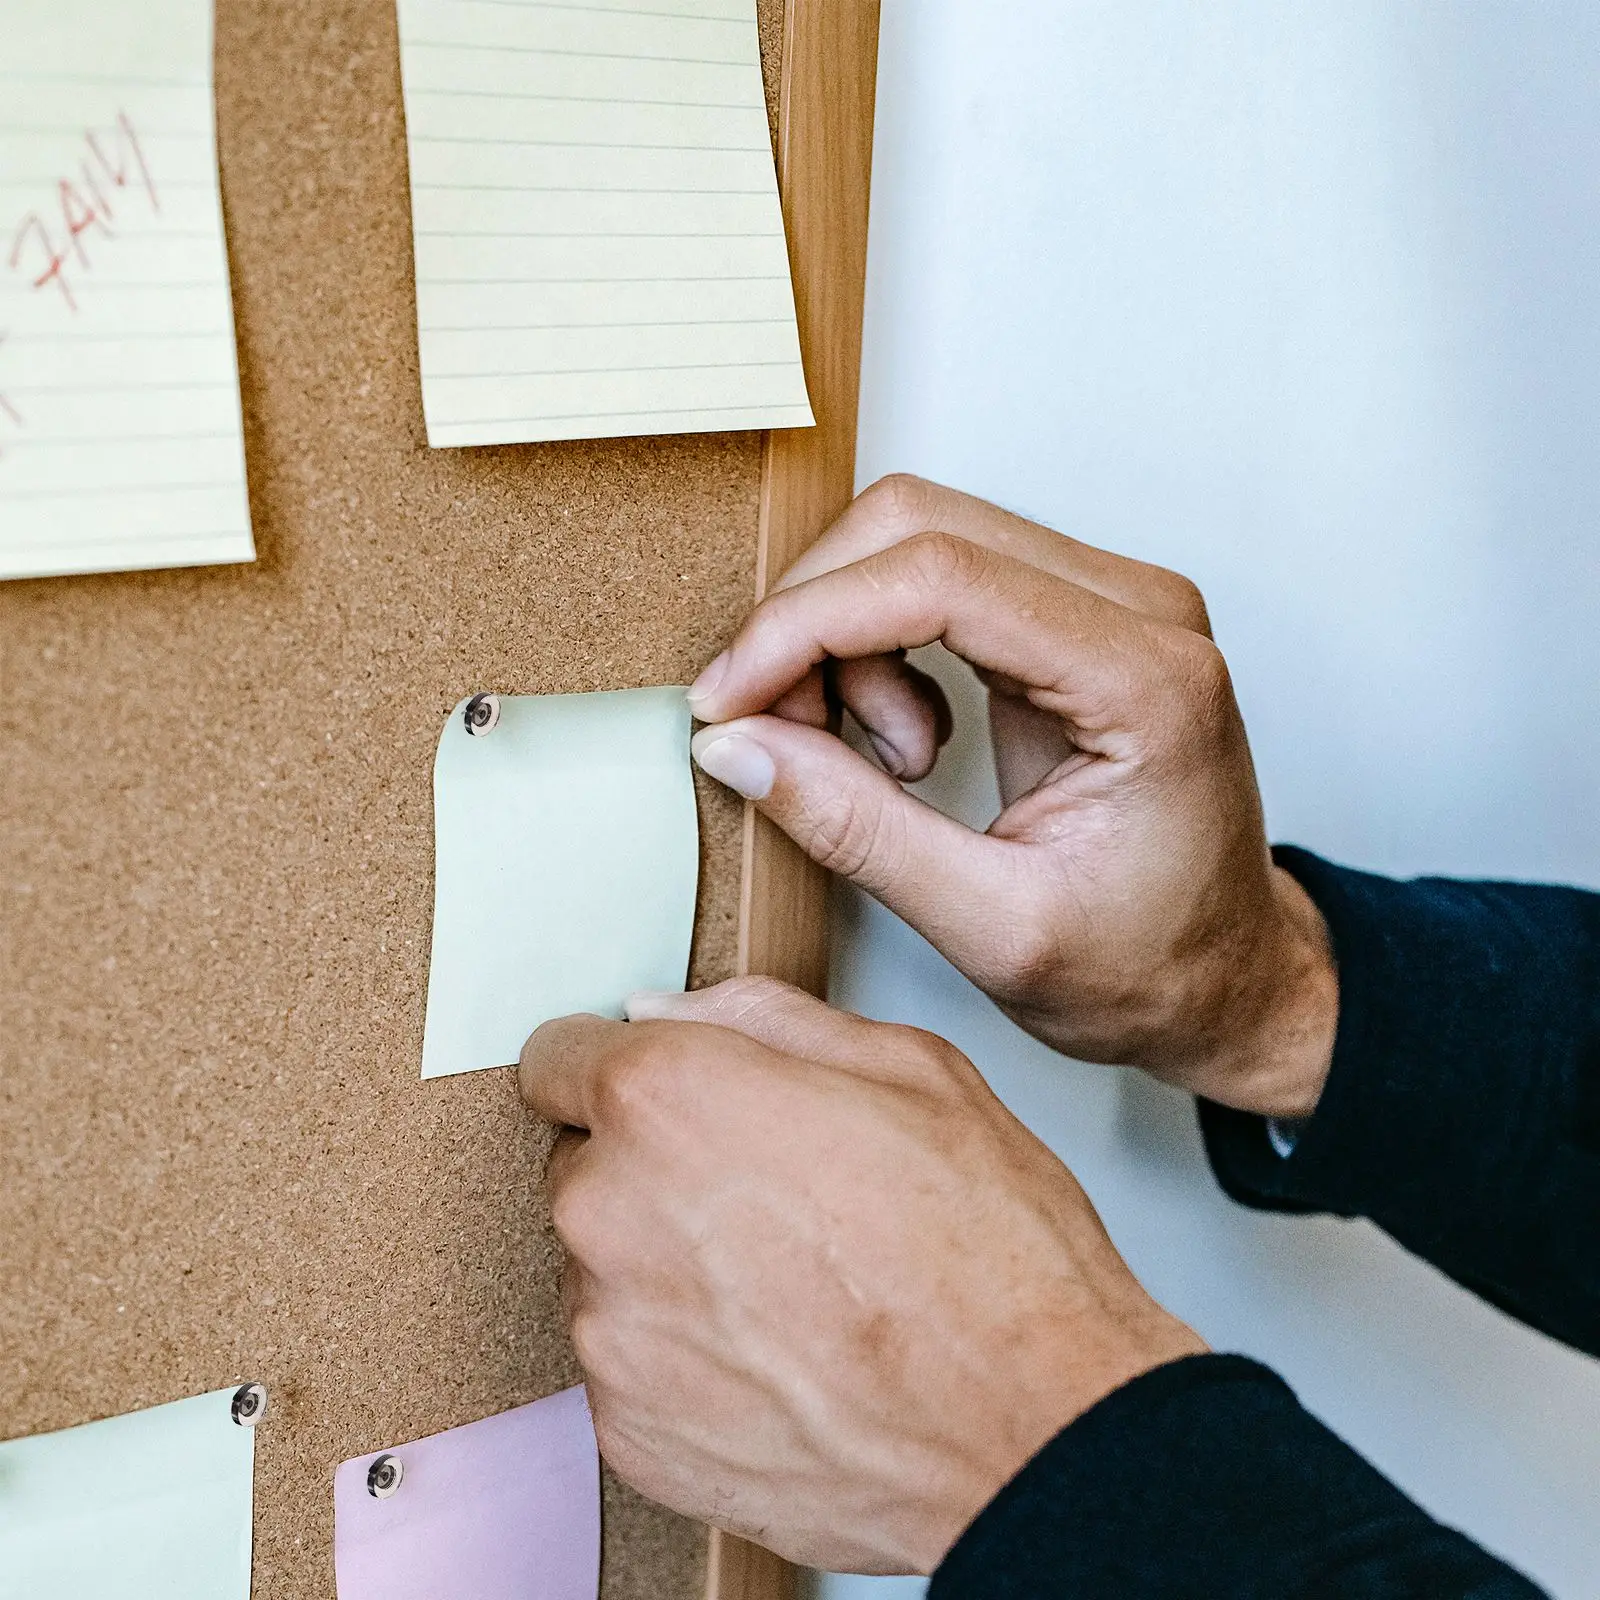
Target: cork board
column 216, row 1160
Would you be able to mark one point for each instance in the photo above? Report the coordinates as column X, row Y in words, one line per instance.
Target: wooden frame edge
column 825, row 127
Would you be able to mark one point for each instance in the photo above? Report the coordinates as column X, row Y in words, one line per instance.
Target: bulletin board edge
column 825, row 142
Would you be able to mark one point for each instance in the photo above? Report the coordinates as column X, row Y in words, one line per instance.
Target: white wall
column 1302, row 301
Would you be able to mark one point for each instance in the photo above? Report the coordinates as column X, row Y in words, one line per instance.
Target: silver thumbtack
column 482, row 713
column 249, row 1404
column 383, row 1477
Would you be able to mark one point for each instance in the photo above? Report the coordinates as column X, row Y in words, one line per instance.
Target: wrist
column 1051, row 1386
column 1277, row 1065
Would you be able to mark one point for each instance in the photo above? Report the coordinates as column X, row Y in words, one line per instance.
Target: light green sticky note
column 155, row 1505
column 566, row 862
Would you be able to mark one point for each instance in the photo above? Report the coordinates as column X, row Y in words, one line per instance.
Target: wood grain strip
column 825, row 130
column 808, row 475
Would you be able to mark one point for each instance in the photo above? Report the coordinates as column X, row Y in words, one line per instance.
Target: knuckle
column 944, row 561
column 642, row 1081
column 1032, row 956
column 850, row 840
column 899, row 500
column 1204, row 685
column 751, row 992
column 748, row 996
column 1209, row 673
column 632, row 1461
column 938, row 1061
column 577, row 1220
column 538, row 1045
column 569, row 1217
column 1027, row 951
column 594, row 1342
column 614, row 1446
column 1185, row 604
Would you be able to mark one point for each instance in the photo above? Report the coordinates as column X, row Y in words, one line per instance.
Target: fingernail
column 893, row 762
column 650, row 1005
column 733, row 759
column 705, row 685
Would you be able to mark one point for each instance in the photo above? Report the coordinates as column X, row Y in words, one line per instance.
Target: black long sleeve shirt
column 1462, row 1115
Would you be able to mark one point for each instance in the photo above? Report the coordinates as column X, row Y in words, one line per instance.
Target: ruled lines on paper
column 599, row 240
column 121, row 444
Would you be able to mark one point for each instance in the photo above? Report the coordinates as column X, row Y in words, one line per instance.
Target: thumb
column 789, row 1020
column 855, row 820
column 772, row 1013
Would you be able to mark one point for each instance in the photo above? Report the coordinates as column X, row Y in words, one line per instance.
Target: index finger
column 901, row 506
column 561, row 1065
column 1076, row 650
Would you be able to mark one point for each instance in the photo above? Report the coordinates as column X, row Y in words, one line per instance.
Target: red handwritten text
column 50, row 243
column 129, row 161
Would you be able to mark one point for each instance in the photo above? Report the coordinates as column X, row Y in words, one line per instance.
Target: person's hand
column 827, row 1292
column 1123, row 907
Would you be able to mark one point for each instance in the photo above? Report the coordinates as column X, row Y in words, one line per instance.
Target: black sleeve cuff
column 1462, row 1110
column 1207, row 1478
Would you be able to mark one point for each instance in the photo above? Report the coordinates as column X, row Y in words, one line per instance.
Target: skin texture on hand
column 1123, row 907
column 827, row 1291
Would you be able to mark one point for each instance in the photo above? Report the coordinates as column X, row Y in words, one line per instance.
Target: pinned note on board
column 121, row 444
column 599, row 241
column 566, row 862
column 155, row 1505
column 503, row 1509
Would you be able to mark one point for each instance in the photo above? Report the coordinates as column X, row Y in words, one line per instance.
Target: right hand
column 827, row 1291
column 1123, row 907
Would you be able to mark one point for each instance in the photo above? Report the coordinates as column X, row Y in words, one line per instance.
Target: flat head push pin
column 383, row 1476
column 249, row 1404
column 482, row 714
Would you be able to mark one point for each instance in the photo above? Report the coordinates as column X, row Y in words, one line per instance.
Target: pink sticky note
column 503, row 1509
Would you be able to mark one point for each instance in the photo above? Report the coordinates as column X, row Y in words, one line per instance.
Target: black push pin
column 482, row 714
column 383, row 1477
column 249, row 1404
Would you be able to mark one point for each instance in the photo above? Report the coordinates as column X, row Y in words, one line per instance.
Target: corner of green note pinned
column 566, row 867
column 153, row 1505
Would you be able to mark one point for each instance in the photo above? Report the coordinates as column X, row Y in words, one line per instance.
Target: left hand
column 828, row 1292
column 1124, row 906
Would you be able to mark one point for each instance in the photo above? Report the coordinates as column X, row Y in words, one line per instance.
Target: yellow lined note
column 120, row 435
column 599, row 240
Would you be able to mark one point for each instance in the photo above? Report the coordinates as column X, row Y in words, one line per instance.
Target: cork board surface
column 216, row 1160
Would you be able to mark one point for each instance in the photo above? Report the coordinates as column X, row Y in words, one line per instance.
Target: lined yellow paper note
column 120, row 436
column 599, row 241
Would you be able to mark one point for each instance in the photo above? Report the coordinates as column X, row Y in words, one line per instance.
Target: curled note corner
column 566, row 865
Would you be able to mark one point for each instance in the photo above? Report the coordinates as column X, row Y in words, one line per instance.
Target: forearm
column 1206, row 1477
column 1462, row 1109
